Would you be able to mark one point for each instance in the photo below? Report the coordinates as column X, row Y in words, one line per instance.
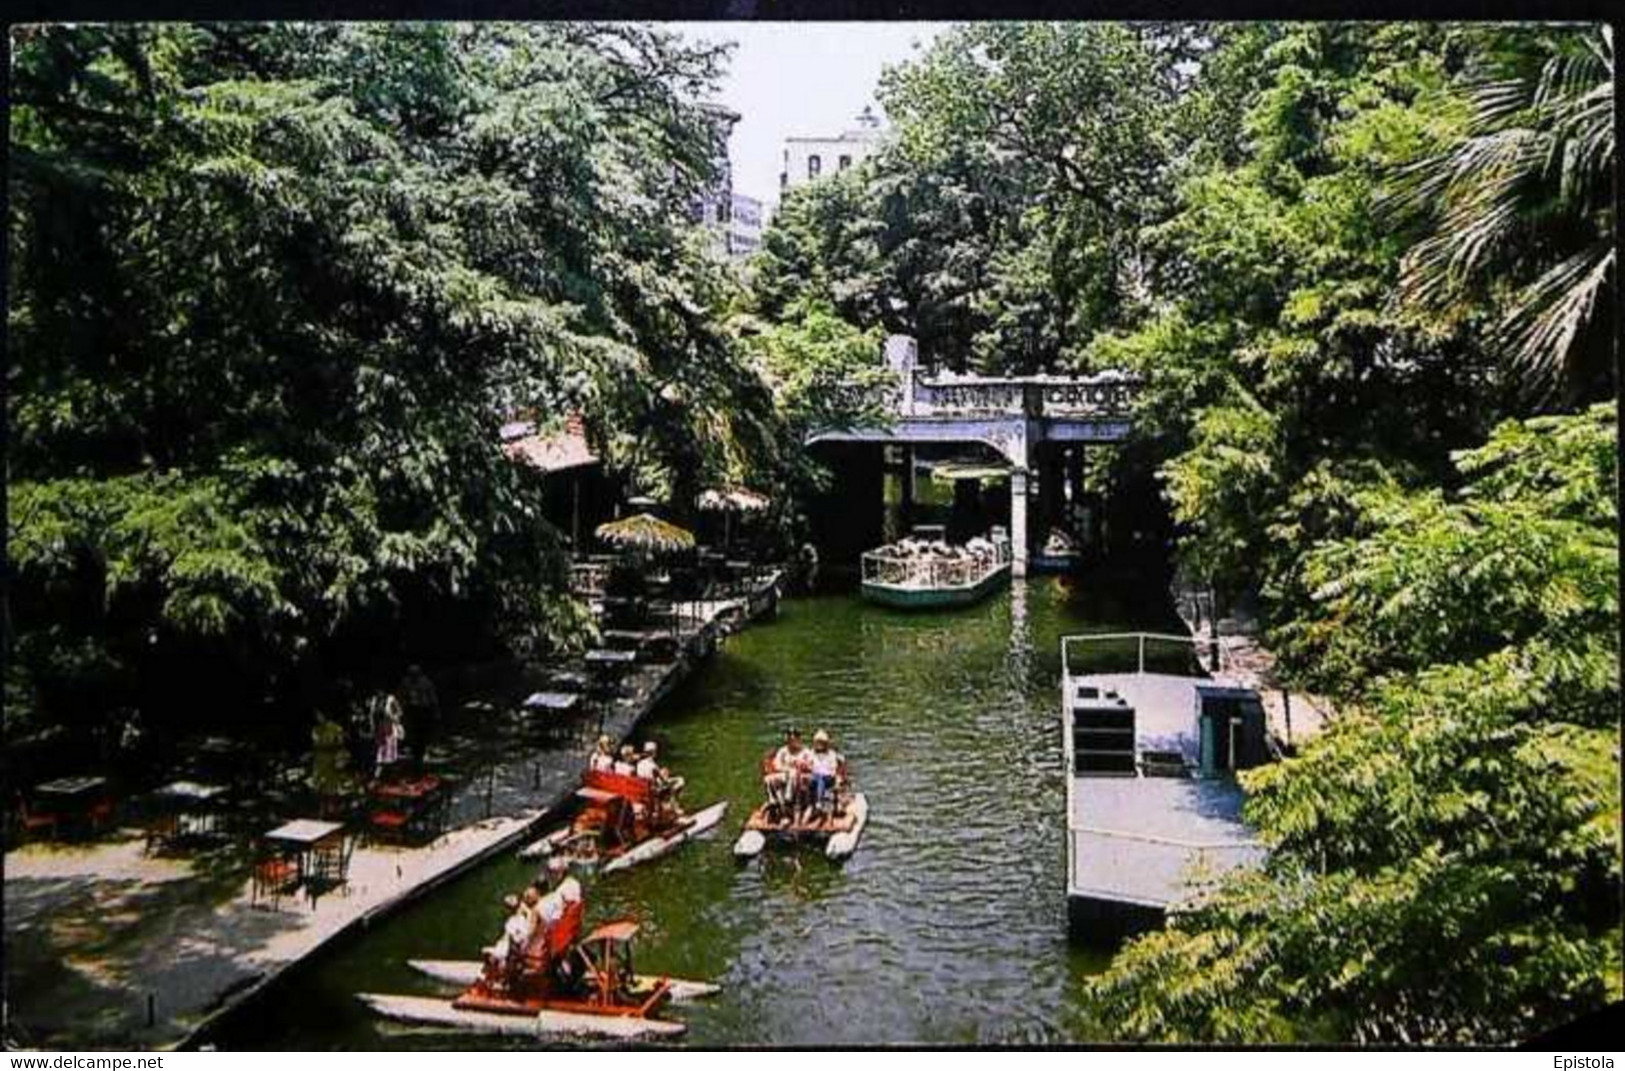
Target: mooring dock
column 1153, row 807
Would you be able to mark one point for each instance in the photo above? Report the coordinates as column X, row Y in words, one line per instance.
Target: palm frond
column 1534, row 169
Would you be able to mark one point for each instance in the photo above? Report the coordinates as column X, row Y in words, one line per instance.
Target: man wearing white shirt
column 648, row 766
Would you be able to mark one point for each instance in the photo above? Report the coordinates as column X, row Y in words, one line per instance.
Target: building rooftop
column 555, row 451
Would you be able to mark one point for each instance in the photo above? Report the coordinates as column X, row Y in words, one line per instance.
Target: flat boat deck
column 1139, row 845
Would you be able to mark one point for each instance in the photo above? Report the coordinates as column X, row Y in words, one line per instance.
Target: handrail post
column 1142, row 652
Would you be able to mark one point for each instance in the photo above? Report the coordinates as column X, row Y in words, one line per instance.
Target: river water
column 947, row 926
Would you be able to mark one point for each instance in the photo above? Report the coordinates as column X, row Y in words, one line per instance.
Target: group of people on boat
column 978, row 549
column 533, row 913
column 630, row 762
column 802, row 782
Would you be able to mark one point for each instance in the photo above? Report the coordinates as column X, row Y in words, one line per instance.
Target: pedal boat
column 621, row 823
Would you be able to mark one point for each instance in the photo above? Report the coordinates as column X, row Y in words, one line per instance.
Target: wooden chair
column 274, row 875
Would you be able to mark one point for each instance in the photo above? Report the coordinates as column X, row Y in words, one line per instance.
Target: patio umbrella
column 729, row 501
column 647, row 533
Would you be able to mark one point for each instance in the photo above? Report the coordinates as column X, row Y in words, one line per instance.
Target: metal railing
column 1215, row 648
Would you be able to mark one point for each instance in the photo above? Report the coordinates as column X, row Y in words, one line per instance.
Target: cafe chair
column 389, row 825
column 30, row 820
column 101, row 814
column 274, row 876
column 330, row 865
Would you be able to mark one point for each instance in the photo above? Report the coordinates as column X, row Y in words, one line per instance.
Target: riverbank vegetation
column 1367, row 272
column 274, row 289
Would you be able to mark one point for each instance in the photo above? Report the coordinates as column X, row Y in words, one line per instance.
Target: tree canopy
column 275, row 288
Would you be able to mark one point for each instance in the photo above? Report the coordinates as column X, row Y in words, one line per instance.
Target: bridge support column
column 1018, row 522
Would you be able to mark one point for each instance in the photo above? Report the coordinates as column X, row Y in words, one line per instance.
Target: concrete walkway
column 1292, row 716
column 109, row 948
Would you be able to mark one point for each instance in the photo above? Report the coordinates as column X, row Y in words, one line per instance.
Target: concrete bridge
column 1039, row 424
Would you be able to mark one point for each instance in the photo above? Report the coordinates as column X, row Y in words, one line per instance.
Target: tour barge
column 1153, row 809
column 915, row 574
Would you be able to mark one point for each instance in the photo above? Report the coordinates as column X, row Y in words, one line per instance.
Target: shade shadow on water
column 947, row 926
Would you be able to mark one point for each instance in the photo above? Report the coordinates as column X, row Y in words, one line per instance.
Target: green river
column 947, row 926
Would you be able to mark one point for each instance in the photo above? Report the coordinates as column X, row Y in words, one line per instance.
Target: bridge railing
column 1109, row 394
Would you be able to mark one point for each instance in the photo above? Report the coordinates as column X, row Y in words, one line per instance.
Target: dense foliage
column 274, row 289
column 1445, row 857
column 1342, row 256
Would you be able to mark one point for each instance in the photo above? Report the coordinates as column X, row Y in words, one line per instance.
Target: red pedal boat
column 623, row 820
column 561, row 984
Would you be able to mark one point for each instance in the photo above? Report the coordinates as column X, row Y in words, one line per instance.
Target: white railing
column 1109, row 394
column 933, row 571
column 1212, row 652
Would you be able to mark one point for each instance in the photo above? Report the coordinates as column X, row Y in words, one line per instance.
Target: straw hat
column 510, row 901
column 649, row 747
column 820, row 737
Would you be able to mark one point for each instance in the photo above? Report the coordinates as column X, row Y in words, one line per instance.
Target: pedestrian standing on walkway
column 388, row 732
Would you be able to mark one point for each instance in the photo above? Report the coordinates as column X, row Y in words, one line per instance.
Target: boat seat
column 633, row 788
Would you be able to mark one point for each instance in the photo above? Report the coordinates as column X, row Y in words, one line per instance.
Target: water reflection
column 947, row 926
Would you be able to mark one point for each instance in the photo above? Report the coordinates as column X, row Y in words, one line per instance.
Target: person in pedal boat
column 825, row 767
column 515, row 932
column 602, row 759
column 786, row 784
column 648, row 766
column 626, row 763
column 563, row 890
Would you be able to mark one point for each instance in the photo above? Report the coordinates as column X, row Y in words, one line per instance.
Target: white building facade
column 807, row 159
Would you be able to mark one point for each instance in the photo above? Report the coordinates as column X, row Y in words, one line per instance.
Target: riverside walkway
column 110, row 948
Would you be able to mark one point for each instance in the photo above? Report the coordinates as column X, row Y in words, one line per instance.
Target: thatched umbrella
column 729, row 501
column 646, row 533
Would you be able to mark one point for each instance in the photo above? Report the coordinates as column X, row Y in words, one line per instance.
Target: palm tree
column 1521, row 210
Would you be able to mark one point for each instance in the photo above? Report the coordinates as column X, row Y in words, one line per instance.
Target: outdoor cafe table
column 416, row 800
column 73, row 796
column 604, row 662
column 302, row 836
column 72, row 789
column 191, row 809
column 552, row 702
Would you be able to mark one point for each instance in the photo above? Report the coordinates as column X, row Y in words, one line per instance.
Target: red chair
column 32, row 820
column 274, row 875
column 101, row 814
column 389, row 824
